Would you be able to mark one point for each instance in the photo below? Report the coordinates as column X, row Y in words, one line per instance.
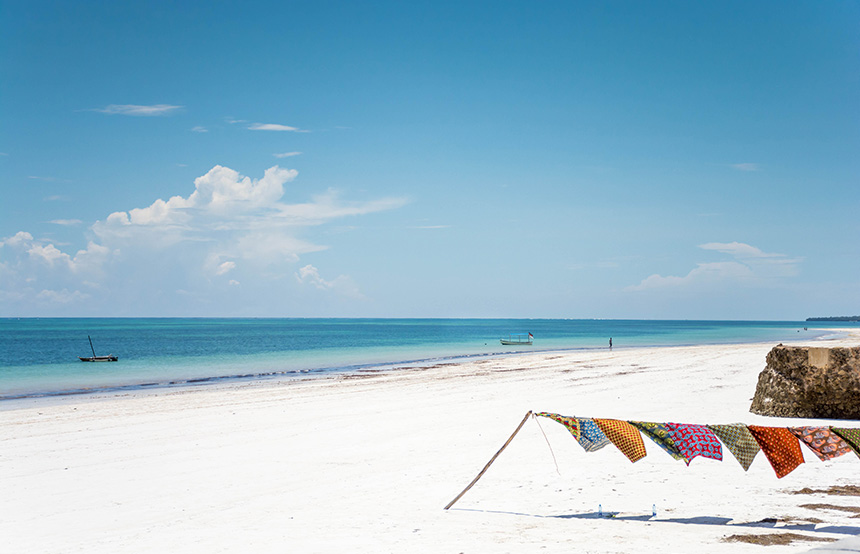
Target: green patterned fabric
column 659, row 433
column 740, row 442
column 851, row 436
column 570, row 422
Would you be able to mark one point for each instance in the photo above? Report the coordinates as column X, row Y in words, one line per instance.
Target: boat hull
column 515, row 342
column 99, row 359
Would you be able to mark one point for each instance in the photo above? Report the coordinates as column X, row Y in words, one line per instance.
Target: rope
column 547, row 444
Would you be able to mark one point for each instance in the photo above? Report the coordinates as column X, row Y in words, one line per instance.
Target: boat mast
column 91, row 346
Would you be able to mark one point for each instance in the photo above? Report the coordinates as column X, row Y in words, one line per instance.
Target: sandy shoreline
column 365, row 463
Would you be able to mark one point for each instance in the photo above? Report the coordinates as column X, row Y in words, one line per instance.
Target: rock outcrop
column 802, row 381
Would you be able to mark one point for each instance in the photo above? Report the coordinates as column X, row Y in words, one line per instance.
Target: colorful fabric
column 591, row 438
column 740, row 442
column 659, row 433
column 781, row 448
column 851, row 436
column 570, row 422
column 624, row 436
column 695, row 440
column 822, row 441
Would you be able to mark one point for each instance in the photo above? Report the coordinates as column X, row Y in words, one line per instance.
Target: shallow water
column 39, row 356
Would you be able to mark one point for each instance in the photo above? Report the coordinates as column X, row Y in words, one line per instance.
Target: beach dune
column 366, row 463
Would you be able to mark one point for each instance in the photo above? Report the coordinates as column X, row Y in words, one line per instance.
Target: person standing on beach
column 610, row 343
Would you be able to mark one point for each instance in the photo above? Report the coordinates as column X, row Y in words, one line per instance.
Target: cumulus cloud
column 751, row 266
column 18, row 239
column 228, row 225
column 310, row 275
column 138, row 110
column 702, row 273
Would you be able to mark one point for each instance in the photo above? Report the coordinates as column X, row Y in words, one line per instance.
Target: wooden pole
column 493, row 459
column 91, row 346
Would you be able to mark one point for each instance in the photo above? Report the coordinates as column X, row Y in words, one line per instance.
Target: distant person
column 610, row 343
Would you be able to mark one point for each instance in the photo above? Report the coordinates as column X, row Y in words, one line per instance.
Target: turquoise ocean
column 38, row 357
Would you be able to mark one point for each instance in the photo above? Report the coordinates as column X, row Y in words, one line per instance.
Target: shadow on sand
column 768, row 523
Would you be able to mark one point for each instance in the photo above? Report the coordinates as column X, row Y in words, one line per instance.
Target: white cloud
column 702, row 273
column 746, row 167
column 274, row 127
column 327, row 206
column 49, row 179
column 138, row 110
column 62, row 296
column 233, row 282
column 66, row 222
column 199, row 129
column 310, row 275
column 18, row 239
column 46, row 254
column 738, row 250
column 751, row 267
column 49, row 254
column 287, row 154
column 225, row 267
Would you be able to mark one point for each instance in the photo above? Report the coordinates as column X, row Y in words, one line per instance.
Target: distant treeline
column 836, row 318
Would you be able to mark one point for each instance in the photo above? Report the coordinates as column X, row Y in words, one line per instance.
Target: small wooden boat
column 98, row 359
column 94, row 358
column 517, row 339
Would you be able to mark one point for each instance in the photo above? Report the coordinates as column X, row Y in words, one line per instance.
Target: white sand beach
column 366, row 463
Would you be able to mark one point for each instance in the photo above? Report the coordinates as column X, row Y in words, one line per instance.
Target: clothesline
column 685, row 441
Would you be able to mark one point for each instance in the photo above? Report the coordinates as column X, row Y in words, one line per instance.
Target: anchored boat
column 518, row 339
column 94, row 358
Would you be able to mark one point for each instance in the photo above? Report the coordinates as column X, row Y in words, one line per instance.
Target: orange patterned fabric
column 624, row 436
column 780, row 446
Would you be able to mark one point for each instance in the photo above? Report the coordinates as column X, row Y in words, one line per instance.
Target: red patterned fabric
column 781, row 448
column 624, row 436
column 695, row 440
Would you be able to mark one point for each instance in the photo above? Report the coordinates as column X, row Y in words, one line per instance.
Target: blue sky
column 445, row 159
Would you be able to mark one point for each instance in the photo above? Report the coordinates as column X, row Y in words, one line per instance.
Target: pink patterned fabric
column 822, row 441
column 695, row 440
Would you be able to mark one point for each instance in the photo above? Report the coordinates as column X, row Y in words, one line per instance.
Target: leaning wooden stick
column 493, row 459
